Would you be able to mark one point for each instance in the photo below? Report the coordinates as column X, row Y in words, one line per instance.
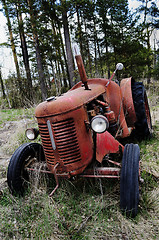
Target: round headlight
column 32, row 133
column 99, row 124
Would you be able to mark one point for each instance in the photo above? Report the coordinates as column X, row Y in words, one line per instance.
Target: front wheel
column 129, row 180
column 25, row 156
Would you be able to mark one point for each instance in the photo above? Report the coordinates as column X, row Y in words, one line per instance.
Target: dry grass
column 84, row 209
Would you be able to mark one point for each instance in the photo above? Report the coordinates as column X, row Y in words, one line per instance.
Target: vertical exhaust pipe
column 81, row 70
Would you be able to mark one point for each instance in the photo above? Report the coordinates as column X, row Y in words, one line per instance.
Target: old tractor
column 80, row 129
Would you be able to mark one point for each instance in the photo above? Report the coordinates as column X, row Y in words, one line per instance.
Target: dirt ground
column 5, row 134
column 8, row 137
column 11, row 129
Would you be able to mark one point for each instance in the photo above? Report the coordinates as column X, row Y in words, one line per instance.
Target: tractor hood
column 71, row 100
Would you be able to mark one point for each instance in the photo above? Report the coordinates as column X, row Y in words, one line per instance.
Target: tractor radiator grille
column 47, row 143
column 65, row 139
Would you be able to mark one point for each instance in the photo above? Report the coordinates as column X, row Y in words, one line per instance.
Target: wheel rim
column 28, row 155
column 32, row 177
column 25, row 174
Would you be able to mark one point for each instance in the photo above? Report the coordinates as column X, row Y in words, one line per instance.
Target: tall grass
column 78, row 210
column 84, row 208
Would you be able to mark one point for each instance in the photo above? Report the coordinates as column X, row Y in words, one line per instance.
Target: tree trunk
column 63, row 50
column 13, row 46
column 4, row 90
column 148, row 43
column 58, row 54
column 79, row 31
column 57, row 82
column 107, row 52
column 68, row 43
column 88, row 50
column 24, row 51
column 97, row 47
column 107, row 61
column 148, row 57
column 37, row 49
column 56, row 30
column 2, row 85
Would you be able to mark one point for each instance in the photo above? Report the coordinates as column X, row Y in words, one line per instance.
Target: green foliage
column 4, row 44
column 17, row 98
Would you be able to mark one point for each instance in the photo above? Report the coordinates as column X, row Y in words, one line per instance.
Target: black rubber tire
column 143, row 125
column 17, row 176
column 129, row 180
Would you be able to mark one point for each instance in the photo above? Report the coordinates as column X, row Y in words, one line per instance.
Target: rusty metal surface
column 102, row 172
column 74, row 144
column 114, row 98
column 65, row 136
column 105, row 144
column 128, row 104
column 37, row 170
column 71, row 100
column 82, row 71
column 114, row 162
column 98, row 81
column 56, row 178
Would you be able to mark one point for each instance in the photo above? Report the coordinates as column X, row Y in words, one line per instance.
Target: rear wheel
column 129, row 180
column 25, row 156
column 143, row 125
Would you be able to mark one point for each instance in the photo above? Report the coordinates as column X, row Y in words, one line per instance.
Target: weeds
column 82, row 209
column 78, row 211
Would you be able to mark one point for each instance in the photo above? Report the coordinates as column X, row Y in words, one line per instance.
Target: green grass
column 15, row 114
column 78, row 210
column 16, row 121
column 149, row 152
column 83, row 209
column 71, row 214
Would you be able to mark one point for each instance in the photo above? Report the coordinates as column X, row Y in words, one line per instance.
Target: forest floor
column 79, row 211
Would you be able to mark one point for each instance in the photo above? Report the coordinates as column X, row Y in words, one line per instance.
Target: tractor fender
column 105, row 144
column 127, row 100
column 114, row 98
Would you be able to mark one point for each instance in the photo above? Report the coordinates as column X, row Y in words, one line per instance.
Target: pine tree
column 5, row 6
column 67, row 42
column 33, row 17
column 24, row 50
column 2, row 85
column 150, row 22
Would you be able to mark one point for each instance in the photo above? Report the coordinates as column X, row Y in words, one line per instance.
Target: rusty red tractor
column 81, row 129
